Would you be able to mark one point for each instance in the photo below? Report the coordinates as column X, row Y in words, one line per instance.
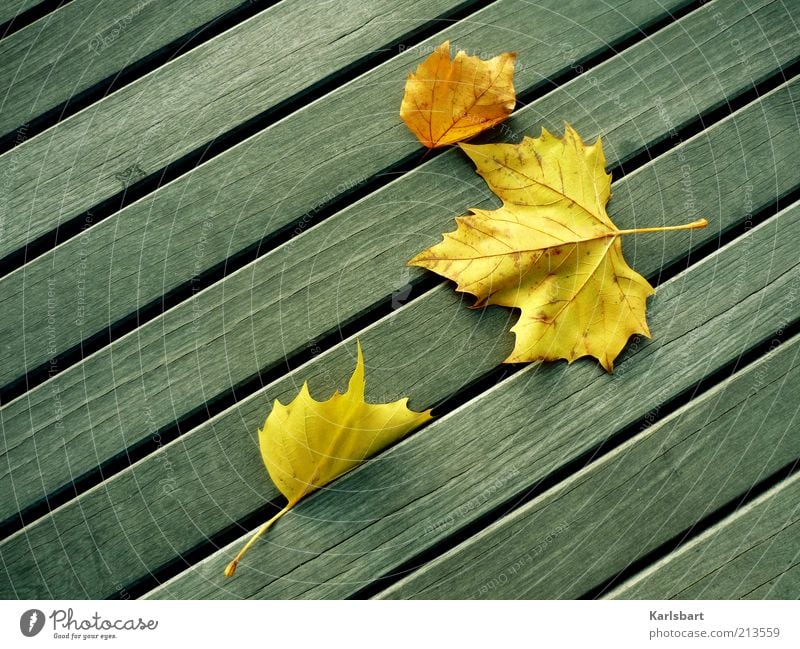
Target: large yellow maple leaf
column 550, row 250
column 307, row 443
column 447, row 101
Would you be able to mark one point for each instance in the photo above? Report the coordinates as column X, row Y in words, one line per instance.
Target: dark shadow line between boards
column 30, row 16
column 466, row 394
column 263, row 247
column 420, row 288
column 344, row 330
column 230, row 138
column 591, row 456
column 696, row 529
column 300, row 356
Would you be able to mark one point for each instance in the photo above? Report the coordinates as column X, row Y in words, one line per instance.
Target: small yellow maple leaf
column 448, row 101
column 550, row 250
column 307, row 443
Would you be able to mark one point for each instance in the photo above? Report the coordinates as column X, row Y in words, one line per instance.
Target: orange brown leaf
column 447, row 101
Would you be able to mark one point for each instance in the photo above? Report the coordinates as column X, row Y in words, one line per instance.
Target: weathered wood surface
column 209, row 485
column 59, row 56
column 204, row 481
column 225, row 335
column 123, row 264
column 753, row 554
column 179, row 107
column 650, row 490
column 498, row 446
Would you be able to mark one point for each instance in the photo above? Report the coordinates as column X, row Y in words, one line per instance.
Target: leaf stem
column 231, row 567
column 701, row 223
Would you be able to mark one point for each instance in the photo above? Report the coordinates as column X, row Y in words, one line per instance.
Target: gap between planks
column 86, row 50
column 339, row 539
column 131, row 305
column 216, row 476
column 653, row 490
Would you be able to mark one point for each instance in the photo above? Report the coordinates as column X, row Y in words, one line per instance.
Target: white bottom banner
column 399, row 624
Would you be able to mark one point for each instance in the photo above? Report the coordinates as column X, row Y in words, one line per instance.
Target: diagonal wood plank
column 127, row 393
column 505, row 441
column 645, row 493
column 201, row 483
column 754, row 553
column 53, row 60
column 285, row 174
column 184, row 105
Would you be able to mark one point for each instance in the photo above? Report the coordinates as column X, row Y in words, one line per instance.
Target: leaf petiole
column 231, row 567
column 694, row 225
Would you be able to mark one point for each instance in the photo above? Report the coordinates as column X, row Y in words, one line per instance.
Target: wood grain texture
column 286, row 173
column 87, row 41
column 190, row 101
column 126, row 393
column 645, row 493
column 404, row 501
column 498, row 446
column 229, row 333
column 283, row 175
column 9, row 9
column 752, row 554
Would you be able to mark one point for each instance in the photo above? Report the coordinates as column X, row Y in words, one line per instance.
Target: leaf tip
column 359, row 353
column 355, row 387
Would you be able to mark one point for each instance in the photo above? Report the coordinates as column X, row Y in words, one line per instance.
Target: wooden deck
column 204, row 203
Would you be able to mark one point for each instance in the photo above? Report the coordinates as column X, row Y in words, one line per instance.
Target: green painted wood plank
column 195, row 99
column 781, row 586
column 754, row 553
column 181, row 106
column 173, row 365
column 507, row 440
column 10, row 9
column 651, row 489
column 87, row 41
column 123, row 263
column 203, row 482
column 282, row 175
